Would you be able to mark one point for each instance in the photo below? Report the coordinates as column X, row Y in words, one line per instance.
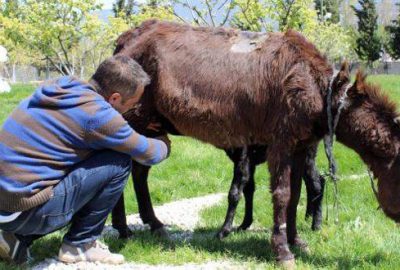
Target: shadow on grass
column 249, row 246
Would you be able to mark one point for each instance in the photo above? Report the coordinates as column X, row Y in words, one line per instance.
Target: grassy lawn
column 363, row 238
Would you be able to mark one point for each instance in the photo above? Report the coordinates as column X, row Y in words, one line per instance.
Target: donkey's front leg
column 119, row 219
column 298, row 162
column 280, row 169
column 140, row 175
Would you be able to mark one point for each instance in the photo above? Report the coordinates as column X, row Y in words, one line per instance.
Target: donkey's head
column 369, row 125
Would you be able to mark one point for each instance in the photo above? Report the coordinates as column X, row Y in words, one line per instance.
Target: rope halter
column 329, row 138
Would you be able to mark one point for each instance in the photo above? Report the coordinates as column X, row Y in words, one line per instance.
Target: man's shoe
column 12, row 249
column 90, row 252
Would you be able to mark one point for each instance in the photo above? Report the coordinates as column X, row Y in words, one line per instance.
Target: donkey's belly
column 222, row 133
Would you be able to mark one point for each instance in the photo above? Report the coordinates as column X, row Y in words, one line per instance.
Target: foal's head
column 369, row 125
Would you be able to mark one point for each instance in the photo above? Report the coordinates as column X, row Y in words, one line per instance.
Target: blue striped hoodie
column 58, row 126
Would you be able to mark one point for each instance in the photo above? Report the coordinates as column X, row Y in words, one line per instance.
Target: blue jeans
column 83, row 198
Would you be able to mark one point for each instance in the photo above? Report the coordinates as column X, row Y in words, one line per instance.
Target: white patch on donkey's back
column 246, row 42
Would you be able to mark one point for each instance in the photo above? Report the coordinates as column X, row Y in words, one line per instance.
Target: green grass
column 363, row 239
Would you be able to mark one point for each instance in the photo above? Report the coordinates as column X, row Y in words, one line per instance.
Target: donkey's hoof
column 316, row 225
column 287, row 264
column 162, row 233
column 301, row 245
column 222, row 234
column 125, row 233
column 243, row 227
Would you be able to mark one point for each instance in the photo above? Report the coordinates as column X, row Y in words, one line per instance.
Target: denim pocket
column 53, row 222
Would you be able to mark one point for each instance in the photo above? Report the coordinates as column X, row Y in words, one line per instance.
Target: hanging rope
column 329, row 139
column 371, row 178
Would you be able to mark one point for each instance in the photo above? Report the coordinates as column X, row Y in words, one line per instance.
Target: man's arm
column 109, row 130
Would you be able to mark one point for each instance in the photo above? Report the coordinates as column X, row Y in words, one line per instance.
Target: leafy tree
column 293, row 14
column 328, row 7
column 267, row 15
column 10, row 7
column 330, row 38
column 205, row 12
column 52, row 28
column 349, row 18
column 152, row 9
column 393, row 46
column 251, row 16
column 18, row 52
column 336, row 42
column 124, row 8
column 369, row 45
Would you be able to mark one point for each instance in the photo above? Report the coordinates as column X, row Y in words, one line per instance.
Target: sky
column 107, row 4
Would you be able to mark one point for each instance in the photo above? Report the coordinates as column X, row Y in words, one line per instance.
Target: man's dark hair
column 119, row 74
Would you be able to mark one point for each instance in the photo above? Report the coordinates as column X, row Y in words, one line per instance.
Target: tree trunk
column 14, row 71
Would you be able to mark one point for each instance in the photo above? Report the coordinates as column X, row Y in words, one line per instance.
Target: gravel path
column 55, row 265
column 184, row 214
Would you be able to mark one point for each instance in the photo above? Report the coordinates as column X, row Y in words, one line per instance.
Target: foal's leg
column 315, row 188
column 257, row 155
column 140, row 174
column 240, row 179
column 248, row 193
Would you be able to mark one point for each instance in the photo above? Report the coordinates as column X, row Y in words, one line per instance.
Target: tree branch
column 209, row 8
column 285, row 18
column 231, row 6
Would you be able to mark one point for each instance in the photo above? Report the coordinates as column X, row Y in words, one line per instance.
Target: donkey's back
column 227, row 87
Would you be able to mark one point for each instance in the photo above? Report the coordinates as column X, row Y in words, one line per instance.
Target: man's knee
column 123, row 162
column 114, row 164
column 111, row 157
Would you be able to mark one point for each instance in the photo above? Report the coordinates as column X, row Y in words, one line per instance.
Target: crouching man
column 65, row 156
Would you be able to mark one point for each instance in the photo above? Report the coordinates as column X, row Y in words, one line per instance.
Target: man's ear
column 115, row 99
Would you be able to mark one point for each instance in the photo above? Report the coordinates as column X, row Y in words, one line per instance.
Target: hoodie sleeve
column 109, row 130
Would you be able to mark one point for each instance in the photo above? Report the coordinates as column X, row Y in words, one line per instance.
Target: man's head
column 121, row 81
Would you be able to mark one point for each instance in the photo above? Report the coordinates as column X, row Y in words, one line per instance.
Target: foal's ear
column 359, row 84
column 342, row 78
column 344, row 73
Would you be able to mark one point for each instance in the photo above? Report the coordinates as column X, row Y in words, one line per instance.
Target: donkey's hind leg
column 240, row 178
column 314, row 183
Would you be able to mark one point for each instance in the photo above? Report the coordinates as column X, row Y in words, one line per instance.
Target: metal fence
column 27, row 74
column 390, row 68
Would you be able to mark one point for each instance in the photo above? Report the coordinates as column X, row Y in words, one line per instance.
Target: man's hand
column 167, row 142
column 156, row 126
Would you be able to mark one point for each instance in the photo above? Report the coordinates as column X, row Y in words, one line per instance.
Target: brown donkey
column 231, row 89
